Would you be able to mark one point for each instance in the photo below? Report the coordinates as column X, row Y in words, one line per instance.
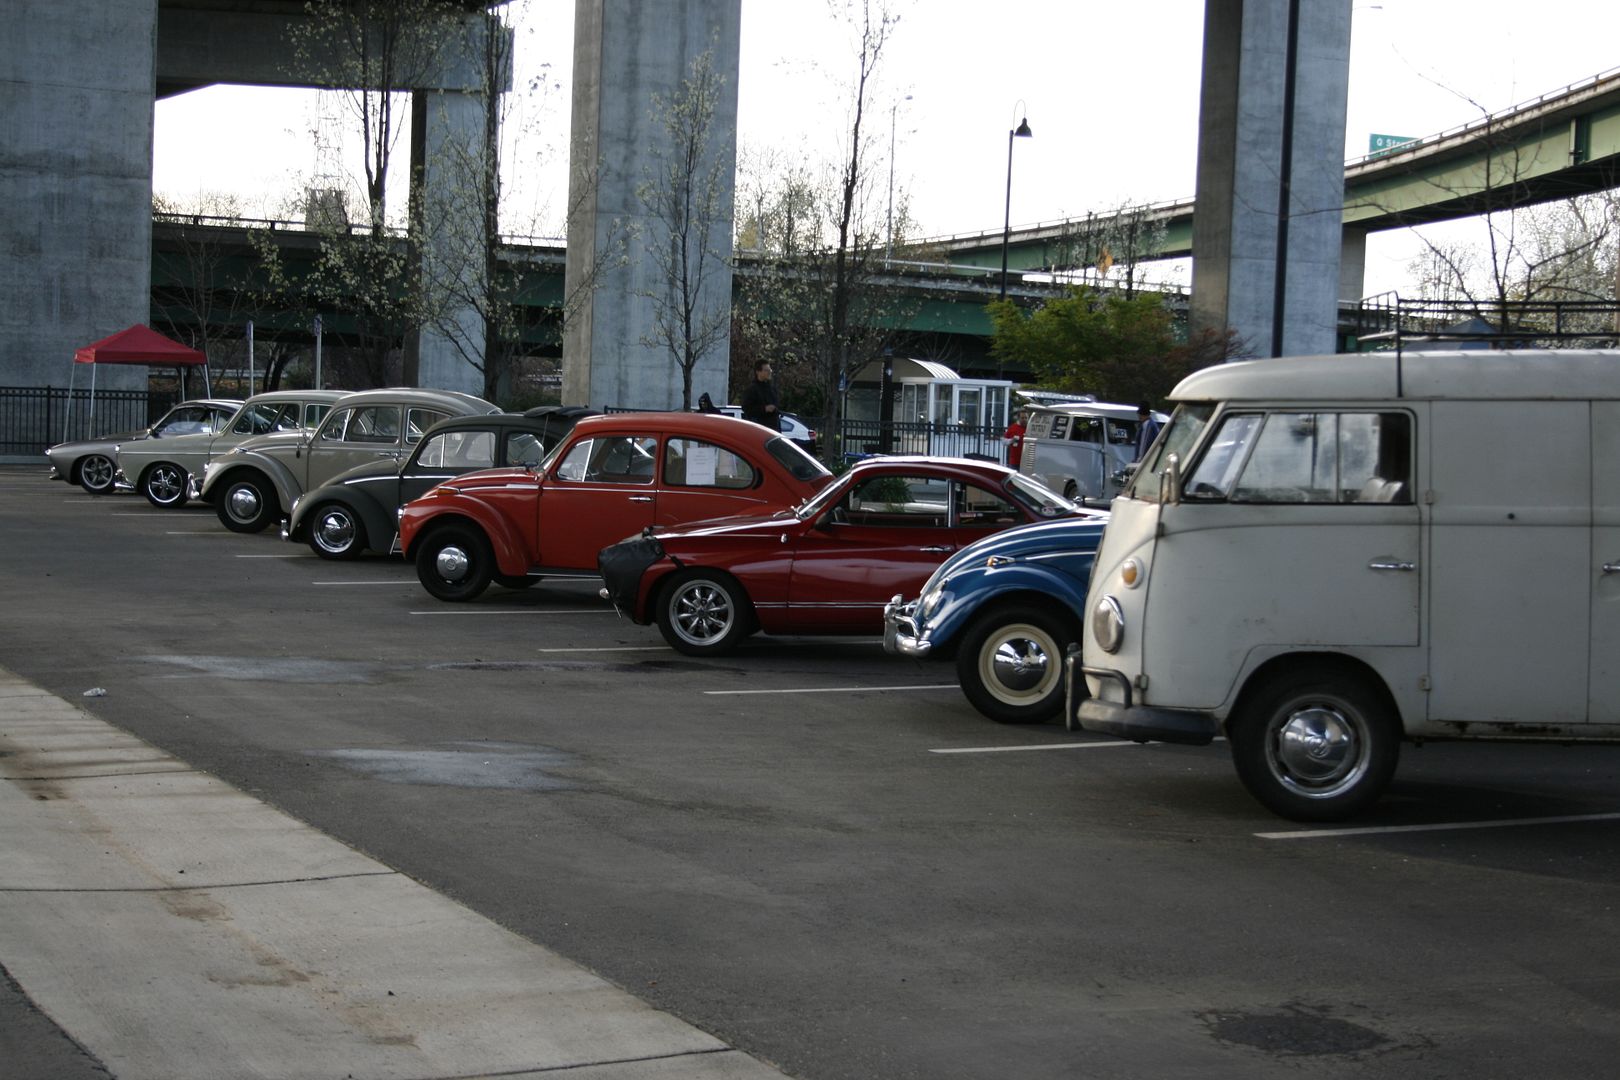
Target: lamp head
column 1022, row 130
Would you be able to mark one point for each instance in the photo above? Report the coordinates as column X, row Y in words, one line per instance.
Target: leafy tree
column 1120, row 348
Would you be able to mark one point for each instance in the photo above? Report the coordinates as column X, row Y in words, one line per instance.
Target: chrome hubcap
column 1317, row 750
column 451, row 563
column 244, row 502
column 1019, row 664
column 702, row 613
column 334, row 531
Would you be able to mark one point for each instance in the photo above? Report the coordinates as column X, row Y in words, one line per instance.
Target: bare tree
column 202, row 292
column 1122, row 240
column 685, row 197
column 371, row 50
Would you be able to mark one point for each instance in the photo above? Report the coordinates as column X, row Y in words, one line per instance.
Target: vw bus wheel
column 335, row 532
column 455, row 563
column 246, row 503
column 702, row 613
column 164, row 485
column 1010, row 664
column 96, row 474
column 1315, row 745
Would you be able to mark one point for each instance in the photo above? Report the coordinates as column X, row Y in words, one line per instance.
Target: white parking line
column 198, row 532
column 294, row 555
column 1032, row 746
column 830, row 690
column 615, row 648
column 1504, row 823
column 521, row 611
column 401, row 581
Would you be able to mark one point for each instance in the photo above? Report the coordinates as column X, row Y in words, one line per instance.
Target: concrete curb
column 176, row 928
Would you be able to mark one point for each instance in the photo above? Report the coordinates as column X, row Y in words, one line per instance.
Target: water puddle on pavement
column 509, row 766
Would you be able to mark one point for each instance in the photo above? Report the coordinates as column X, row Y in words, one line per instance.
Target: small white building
column 936, row 411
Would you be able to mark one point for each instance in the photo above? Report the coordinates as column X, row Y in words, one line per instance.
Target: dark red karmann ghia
column 825, row 567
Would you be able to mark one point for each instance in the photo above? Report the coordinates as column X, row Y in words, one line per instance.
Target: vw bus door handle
column 1611, row 568
column 937, row 549
column 641, row 498
column 1391, row 564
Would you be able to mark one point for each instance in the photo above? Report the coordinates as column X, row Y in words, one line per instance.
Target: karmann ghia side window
column 1307, row 457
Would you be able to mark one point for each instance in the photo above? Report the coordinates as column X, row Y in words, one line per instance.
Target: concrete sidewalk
column 175, row 927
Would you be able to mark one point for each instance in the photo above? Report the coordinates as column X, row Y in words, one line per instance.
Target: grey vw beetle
column 257, row 482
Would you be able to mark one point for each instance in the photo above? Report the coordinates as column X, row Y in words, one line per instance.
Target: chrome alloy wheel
column 96, row 474
column 166, row 485
column 702, row 612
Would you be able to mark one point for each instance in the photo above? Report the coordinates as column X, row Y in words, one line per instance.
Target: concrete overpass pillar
column 626, row 51
column 447, row 138
column 1353, row 264
column 1266, row 236
column 75, row 186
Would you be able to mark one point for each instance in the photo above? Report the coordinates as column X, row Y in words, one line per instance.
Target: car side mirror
column 1170, row 480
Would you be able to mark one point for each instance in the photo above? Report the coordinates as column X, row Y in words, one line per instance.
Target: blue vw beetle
column 1007, row 607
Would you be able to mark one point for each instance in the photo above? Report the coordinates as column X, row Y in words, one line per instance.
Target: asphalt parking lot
column 823, row 855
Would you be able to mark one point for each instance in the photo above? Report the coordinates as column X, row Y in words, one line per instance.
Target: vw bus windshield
column 1186, row 427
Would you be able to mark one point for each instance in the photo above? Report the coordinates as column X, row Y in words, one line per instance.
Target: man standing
column 1014, row 438
column 1147, row 431
column 759, row 400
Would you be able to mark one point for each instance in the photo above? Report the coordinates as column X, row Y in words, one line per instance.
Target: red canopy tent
column 137, row 345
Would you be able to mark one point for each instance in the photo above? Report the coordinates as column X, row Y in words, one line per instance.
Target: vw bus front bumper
column 1125, row 719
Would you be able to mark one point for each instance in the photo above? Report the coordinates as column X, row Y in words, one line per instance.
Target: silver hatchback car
column 91, row 463
column 161, row 468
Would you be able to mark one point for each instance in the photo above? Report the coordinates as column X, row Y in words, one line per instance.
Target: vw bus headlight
column 1108, row 624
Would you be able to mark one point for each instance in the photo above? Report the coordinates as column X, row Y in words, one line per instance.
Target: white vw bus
column 1082, row 449
column 1321, row 557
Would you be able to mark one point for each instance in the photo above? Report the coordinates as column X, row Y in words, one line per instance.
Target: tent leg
column 90, row 430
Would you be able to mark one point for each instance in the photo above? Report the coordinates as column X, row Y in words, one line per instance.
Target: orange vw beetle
column 614, row 476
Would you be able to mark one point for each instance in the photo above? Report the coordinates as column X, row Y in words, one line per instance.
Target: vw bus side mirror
column 1170, row 480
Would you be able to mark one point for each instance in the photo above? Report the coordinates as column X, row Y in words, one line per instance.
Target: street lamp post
column 888, row 247
column 1021, row 131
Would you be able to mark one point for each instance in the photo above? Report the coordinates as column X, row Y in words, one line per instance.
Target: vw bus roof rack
column 1387, row 321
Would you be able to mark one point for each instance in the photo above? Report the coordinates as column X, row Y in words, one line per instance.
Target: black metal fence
column 933, row 439
column 34, row 417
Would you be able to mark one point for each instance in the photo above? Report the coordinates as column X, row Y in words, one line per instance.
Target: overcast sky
column 1110, row 91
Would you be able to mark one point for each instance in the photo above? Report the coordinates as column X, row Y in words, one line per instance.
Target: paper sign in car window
column 701, row 461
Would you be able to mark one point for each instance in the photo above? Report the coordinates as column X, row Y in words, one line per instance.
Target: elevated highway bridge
column 1561, row 144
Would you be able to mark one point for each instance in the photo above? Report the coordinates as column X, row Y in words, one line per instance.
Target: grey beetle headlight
column 1108, row 624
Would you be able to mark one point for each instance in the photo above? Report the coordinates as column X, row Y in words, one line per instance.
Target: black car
column 358, row 509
